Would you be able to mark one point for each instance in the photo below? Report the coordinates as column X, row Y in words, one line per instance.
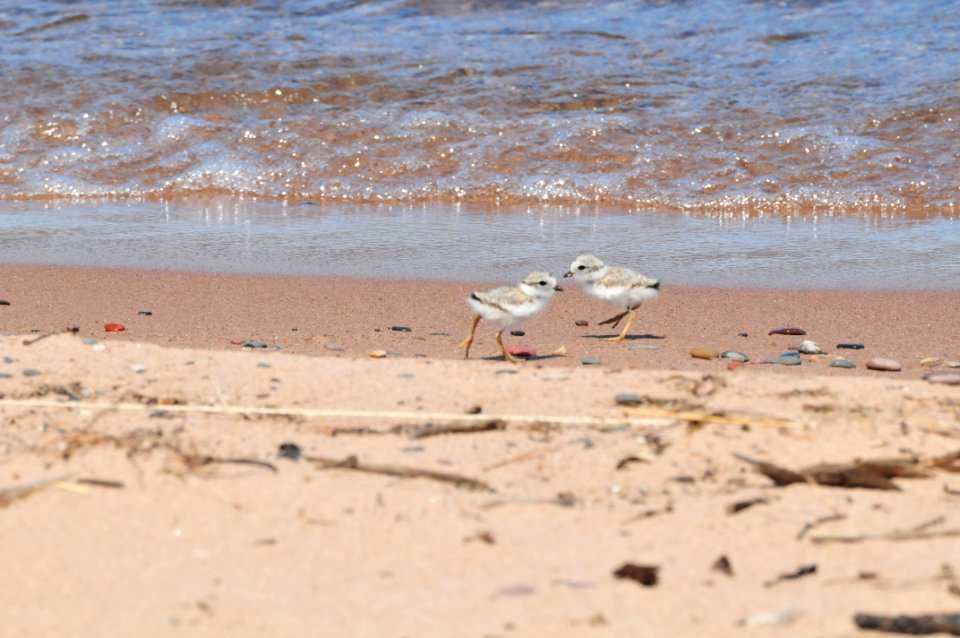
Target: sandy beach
column 168, row 480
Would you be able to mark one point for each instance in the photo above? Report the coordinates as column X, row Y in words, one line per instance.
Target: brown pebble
column 377, row 354
column 945, row 378
column 788, row 331
column 883, row 365
column 930, row 362
column 581, row 322
column 704, row 353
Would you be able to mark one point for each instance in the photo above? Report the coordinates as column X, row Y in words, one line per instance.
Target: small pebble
column 790, row 353
column 629, row 398
column 413, row 448
column 289, row 451
column 334, row 346
column 10, row 359
column 734, row 355
column 139, row 368
column 788, row 331
column 560, row 352
column 952, row 364
column 742, row 334
column 786, row 360
column 263, row 364
column 4, row 303
column 590, row 360
column 809, row 347
column 843, row 363
column 254, row 344
column 113, row 327
column 31, row 372
column 883, row 365
column 930, row 362
column 522, row 351
column 87, row 341
column 704, row 353
column 401, row 329
column 506, row 371
column 5, row 375
column 518, row 333
column 643, row 346
column 145, row 313
column 377, row 354
column 581, row 322
column 158, row 414
column 98, row 347
column 944, row 377
column 735, row 365
column 406, row 375
column 439, row 334
column 850, row 346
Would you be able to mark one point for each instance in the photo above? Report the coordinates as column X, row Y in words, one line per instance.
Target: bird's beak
column 558, row 288
column 569, row 273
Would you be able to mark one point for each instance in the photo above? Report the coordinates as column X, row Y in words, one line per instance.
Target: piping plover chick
column 510, row 306
column 620, row 287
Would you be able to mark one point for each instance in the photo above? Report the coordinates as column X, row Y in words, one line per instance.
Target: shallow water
column 719, row 106
column 476, row 244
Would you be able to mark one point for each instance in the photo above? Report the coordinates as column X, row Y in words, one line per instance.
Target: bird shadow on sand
column 539, row 357
column 642, row 337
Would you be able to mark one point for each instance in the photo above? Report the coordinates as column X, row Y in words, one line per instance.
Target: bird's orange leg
column 506, row 355
column 631, row 315
column 613, row 321
column 465, row 344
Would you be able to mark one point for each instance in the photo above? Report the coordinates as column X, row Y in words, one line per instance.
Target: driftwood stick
column 353, row 463
column 431, row 429
column 912, row 625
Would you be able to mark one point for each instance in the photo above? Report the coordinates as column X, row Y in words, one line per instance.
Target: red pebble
column 238, row 342
column 113, row 327
column 522, row 351
column 735, row 365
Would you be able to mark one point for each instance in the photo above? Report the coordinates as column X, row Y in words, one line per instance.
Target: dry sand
column 201, row 529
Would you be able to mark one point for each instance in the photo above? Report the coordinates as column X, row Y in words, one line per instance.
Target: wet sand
column 194, row 525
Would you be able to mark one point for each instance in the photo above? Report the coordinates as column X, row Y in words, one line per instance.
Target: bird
column 510, row 306
column 620, row 287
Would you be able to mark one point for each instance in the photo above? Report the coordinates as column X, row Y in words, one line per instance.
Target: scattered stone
column 734, row 355
column 377, row 354
column 560, row 352
column 5, row 375
column 590, row 360
column 735, row 365
column 139, row 368
column 786, row 360
column 772, row 618
column 401, row 328
column 254, row 344
column 506, row 371
column 723, row 566
column 790, row 353
column 952, row 364
column 10, row 359
column 930, row 362
column 788, row 331
column 518, row 333
column 843, row 363
column 809, row 347
column 522, row 351
column 742, row 334
column 629, row 398
column 413, row 448
column 646, row 575
column 850, row 346
column 944, row 377
column 113, row 327
column 643, row 346
column 704, row 353
column 145, row 313
column 883, row 365
column 290, row 451
column 31, row 372
column 334, row 346
column 581, row 322
column 237, row 342
column 263, row 364
column 439, row 334
column 4, row 303
column 406, row 375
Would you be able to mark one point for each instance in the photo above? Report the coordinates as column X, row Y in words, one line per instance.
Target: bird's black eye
column 543, row 283
column 582, row 267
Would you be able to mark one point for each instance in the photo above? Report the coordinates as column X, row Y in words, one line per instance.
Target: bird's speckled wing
column 508, row 298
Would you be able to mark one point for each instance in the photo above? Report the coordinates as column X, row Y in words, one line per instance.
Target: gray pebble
column 883, row 365
column 786, row 360
column 590, row 361
column 643, row 346
column 31, row 372
column 506, row 371
column 145, row 313
column 4, row 375
column 850, row 346
column 89, row 341
column 439, row 334
column 406, row 375
column 263, row 364
column 401, row 329
column 518, row 333
column 945, row 378
column 8, row 360
column 734, row 355
column 628, row 398
column 413, row 448
column 254, row 344
column 843, row 363
column 334, row 346
column 139, row 368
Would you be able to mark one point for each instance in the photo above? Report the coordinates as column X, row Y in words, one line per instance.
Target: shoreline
column 344, row 317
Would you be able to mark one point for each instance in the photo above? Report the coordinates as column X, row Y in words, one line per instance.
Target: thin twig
column 817, row 522
column 918, row 532
column 525, row 456
column 431, row 429
column 698, row 416
column 352, row 463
